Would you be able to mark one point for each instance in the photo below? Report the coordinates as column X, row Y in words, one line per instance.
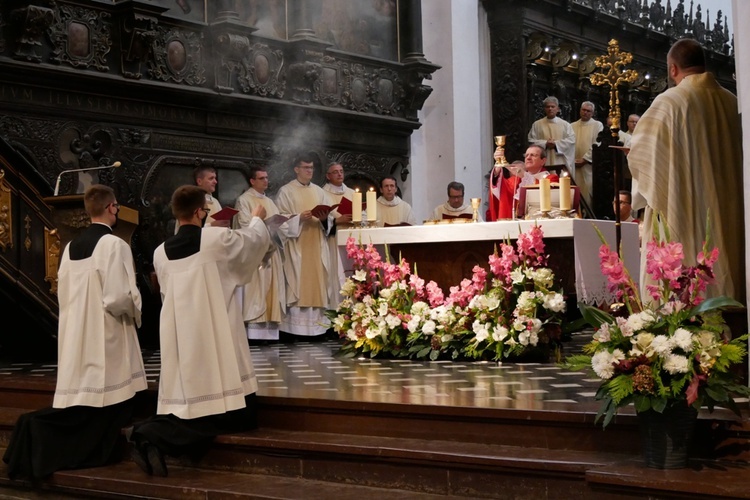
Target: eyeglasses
column 116, row 205
column 532, row 155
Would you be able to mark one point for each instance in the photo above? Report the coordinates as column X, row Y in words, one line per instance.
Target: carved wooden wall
column 85, row 83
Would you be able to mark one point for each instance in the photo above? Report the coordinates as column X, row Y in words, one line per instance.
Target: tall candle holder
column 475, row 203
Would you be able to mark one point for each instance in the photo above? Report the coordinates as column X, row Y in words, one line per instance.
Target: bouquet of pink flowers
column 505, row 311
column 670, row 350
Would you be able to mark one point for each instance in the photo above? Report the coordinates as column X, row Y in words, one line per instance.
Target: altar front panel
column 447, row 253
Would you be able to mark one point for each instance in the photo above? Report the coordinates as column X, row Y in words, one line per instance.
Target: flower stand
column 666, row 437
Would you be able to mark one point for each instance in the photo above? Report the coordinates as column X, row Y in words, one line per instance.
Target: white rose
column 429, row 327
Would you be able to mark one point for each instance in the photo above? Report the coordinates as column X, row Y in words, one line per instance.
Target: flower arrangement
column 670, row 350
column 507, row 310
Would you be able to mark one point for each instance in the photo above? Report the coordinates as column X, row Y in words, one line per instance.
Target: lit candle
column 565, row 193
column 357, row 207
column 372, row 211
column 545, row 204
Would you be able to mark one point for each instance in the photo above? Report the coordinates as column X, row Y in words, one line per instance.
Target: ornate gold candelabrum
column 475, row 202
column 500, row 142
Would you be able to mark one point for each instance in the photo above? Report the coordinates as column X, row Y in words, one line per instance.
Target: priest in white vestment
column 337, row 190
column 307, row 259
column 555, row 135
column 207, row 383
column 455, row 207
column 625, row 136
column 391, row 209
column 264, row 298
column 100, row 367
column 205, row 177
column 686, row 155
column 586, row 131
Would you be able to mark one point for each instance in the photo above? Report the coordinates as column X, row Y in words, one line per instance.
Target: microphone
column 57, row 184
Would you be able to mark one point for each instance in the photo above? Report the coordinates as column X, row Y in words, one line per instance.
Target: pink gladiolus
column 434, row 294
column 417, row 285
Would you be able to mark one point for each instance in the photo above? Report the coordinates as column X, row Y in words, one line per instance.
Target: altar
column 447, row 253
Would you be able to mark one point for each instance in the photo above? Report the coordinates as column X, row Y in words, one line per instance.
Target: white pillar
column 741, row 11
column 454, row 142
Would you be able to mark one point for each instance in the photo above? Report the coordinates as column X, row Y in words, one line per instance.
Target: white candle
column 545, row 204
column 372, row 211
column 565, row 193
column 357, row 207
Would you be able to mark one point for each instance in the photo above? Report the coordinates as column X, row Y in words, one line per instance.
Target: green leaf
column 641, row 403
column 658, row 404
column 593, row 315
column 714, row 303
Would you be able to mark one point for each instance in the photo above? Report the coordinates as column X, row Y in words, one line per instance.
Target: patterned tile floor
column 312, row 370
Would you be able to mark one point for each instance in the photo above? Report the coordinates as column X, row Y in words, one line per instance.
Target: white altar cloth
column 591, row 285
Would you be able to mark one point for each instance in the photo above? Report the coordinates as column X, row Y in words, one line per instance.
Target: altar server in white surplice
column 392, row 210
column 99, row 367
column 586, row 131
column 556, row 136
column 207, row 383
column 264, row 298
column 686, row 156
column 307, row 260
column 337, row 190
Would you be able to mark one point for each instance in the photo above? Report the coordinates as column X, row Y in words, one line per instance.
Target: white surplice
column 99, row 357
column 206, row 367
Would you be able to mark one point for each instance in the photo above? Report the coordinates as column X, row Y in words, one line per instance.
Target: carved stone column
column 300, row 19
column 410, row 30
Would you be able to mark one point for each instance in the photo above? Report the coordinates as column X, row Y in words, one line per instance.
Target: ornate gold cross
column 614, row 77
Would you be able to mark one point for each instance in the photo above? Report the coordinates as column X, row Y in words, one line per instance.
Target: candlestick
column 545, row 204
column 564, row 193
column 357, row 207
column 372, row 211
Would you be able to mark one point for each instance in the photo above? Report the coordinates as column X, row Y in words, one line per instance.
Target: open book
column 322, row 211
column 273, row 223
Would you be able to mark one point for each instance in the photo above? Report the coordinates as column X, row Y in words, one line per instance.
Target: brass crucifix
column 614, row 77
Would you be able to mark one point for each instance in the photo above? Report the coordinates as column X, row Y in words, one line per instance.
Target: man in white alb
column 264, row 298
column 556, row 136
column 307, row 259
column 337, row 191
column 586, row 131
column 392, row 210
column 455, row 206
column 686, row 154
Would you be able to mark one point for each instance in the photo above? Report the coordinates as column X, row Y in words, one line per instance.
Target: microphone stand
column 57, row 183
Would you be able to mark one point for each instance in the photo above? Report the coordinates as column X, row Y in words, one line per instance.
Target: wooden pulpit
column 70, row 217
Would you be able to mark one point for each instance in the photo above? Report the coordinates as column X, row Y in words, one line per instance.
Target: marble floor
column 313, row 370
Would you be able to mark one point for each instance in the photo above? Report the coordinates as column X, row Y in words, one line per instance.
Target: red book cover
column 225, row 213
column 345, row 206
column 459, row 216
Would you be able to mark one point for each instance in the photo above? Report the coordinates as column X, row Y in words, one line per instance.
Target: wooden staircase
column 310, row 448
